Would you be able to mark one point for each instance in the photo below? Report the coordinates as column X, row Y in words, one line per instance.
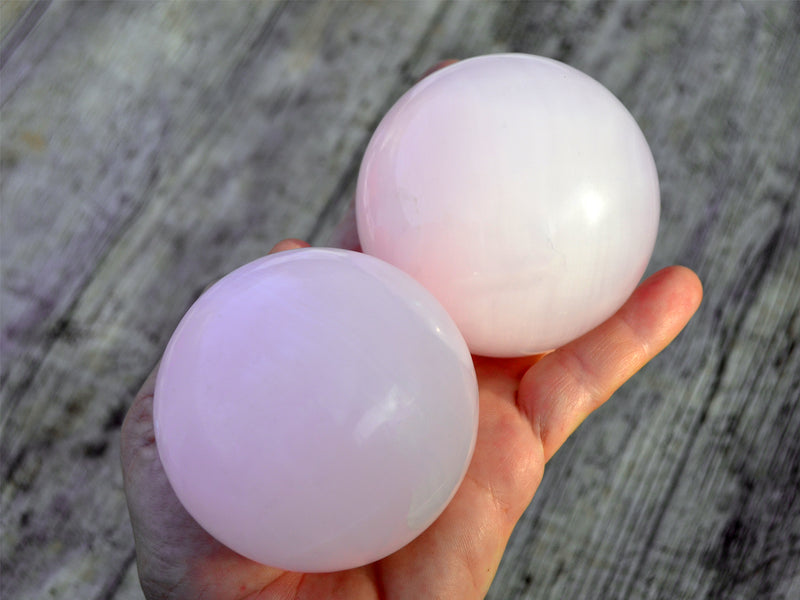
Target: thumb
column 161, row 526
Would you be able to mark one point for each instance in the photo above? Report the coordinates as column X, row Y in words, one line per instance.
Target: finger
column 571, row 382
column 156, row 514
column 288, row 244
column 438, row 67
column 513, row 368
column 154, row 509
column 137, row 438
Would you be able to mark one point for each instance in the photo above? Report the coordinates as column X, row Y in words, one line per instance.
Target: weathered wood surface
column 148, row 148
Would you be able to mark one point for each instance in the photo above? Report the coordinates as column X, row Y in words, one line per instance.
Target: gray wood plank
column 148, row 148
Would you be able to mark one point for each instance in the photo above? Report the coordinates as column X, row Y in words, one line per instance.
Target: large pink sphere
column 316, row 409
column 520, row 192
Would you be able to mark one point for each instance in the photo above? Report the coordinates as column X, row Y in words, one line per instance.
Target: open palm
column 528, row 407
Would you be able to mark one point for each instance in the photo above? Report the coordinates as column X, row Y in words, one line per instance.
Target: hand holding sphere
column 528, row 406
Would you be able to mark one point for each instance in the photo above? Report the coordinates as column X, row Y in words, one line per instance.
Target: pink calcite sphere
column 316, row 409
column 520, row 192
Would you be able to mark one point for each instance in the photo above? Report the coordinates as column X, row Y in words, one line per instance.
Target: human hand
column 528, row 408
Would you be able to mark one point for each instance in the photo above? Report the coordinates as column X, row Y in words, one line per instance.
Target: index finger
column 565, row 386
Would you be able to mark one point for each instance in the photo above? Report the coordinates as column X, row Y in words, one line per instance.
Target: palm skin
column 528, row 407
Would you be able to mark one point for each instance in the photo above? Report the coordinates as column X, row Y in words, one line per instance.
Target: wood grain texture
column 149, row 147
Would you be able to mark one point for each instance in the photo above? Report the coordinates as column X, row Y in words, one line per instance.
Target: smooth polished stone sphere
column 520, row 192
column 316, row 409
